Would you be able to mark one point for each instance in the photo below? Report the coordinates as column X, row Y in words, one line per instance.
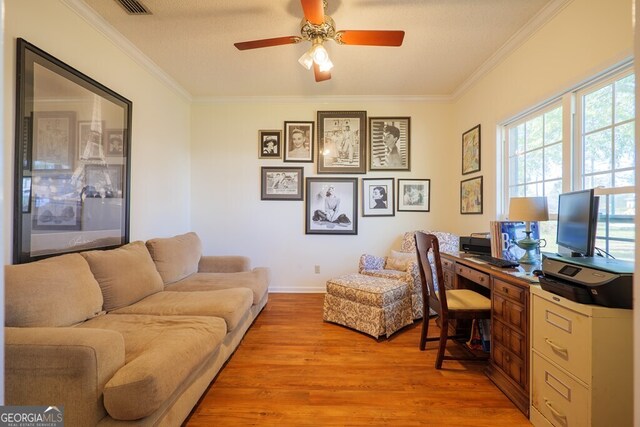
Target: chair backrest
column 433, row 291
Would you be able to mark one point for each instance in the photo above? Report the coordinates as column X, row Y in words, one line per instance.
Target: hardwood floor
column 292, row 369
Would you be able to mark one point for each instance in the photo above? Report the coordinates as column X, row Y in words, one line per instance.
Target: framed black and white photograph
column 378, row 197
column 390, row 143
column 471, row 150
column 114, row 143
column 281, row 183
column 72, row 165
column 414, row 195
column 103, row 180
column 471, row 196
column 298, row 141
column 342, row 141
column 56, row 214
column 54, row 140
column 269, row 144
column 90, row 143
column 332, row 206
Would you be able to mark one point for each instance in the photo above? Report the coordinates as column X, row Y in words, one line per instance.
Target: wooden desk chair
column 448, row 304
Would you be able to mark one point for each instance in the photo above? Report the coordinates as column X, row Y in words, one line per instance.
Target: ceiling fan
column 316, row 27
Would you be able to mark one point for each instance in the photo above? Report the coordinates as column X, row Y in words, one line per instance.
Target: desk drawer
column 513, row 366
column 510, row 339
column 447, row 264
column 563, row 401
column 509, row 312
column 473, row 275
column 562, row 336
column 508, row 290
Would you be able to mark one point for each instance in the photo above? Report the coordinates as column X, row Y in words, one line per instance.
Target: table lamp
column 528, row 209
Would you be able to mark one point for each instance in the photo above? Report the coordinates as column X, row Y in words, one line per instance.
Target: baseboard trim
column 297, row 290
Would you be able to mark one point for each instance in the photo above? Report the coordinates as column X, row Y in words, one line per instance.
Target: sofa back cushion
column 126, row 274
column 176, row 257
column 58, row 291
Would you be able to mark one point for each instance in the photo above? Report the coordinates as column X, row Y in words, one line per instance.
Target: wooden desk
column 509, row 292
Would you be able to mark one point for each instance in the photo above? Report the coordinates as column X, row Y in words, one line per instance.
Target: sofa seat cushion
column 176, row 257
column 257, row 280
column 126, row 274
column 58, row 291
column 160, row 353
column 230, row 304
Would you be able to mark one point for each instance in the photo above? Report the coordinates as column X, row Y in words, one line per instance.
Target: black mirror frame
column 69, row 227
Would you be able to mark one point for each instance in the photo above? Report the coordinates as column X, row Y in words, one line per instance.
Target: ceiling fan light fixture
column 326, row 65
column 319, row 53
column 306, row 60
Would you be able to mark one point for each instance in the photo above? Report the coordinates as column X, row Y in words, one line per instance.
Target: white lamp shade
column 528, row 209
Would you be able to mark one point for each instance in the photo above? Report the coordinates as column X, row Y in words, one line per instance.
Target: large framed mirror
column 72, row 160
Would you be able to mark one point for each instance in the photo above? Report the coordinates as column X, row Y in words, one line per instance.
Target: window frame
column 571, row 102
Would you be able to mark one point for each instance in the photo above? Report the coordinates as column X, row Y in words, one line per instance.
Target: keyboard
column 498, row 262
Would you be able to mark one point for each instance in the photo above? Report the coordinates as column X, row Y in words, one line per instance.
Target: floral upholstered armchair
column 403, row 264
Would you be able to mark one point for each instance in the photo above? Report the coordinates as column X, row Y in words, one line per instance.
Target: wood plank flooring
column 293, row 369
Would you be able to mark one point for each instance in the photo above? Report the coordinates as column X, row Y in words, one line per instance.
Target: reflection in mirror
column 72, row 160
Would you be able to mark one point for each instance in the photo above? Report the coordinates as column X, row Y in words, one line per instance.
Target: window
column 602, row 157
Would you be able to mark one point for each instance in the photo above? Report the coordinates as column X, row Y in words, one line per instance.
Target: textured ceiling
column 446, row 42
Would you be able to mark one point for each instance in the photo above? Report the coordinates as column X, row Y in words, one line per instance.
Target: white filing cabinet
column 581, row 363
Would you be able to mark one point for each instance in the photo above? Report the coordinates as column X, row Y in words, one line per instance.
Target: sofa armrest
column 62, row 366
column 224, row 264
column 371, row 262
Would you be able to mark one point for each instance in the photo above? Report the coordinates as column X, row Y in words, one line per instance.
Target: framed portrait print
column 72, row 160
column 281, row 183
column 332, row 206
column 378, row 197
column 389, row 143
column 471, row 150
column 471, row 196
column 341, row 141
column 414, row 195
column 269, row 144
column 298, row 142
column 114, row 142
column 54, row 139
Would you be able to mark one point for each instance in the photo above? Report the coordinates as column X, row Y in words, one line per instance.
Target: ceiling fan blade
column 313, row 11
column 370, row 37
column 320, row 75
column 276, row 41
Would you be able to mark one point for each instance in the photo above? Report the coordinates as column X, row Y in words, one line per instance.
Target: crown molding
column 100, row 24
column 325, row 99
column 518, row 39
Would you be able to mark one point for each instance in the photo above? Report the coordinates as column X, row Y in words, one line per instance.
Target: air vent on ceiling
column 134, row 7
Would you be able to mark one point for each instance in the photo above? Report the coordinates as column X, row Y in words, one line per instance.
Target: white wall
column 161, row 117
column 583, row 39
column 225, row 188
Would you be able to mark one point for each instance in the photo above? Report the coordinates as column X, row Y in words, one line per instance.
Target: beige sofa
column 132, row 335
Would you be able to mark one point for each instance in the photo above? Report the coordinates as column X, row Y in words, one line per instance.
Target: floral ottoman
column 373, row 305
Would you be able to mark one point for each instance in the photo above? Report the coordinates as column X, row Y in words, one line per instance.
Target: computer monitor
column 577, row 222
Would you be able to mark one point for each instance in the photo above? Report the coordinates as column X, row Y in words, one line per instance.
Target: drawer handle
column 555, row 346
column 505, row 290
column 553, row 410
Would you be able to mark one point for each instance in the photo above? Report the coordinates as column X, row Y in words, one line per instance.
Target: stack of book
column 504, row 235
